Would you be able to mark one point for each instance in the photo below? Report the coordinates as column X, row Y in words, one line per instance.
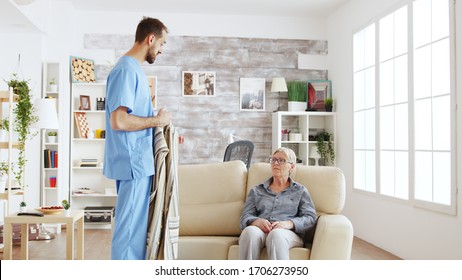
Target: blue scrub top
column 128, row 155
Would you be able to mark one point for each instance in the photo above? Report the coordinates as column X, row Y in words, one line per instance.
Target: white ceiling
column 318, row 8
column 13, row 20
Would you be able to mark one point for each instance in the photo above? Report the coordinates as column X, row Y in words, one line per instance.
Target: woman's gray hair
column 291, row 157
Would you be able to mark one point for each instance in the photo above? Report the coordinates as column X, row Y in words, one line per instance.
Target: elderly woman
column 277, row 213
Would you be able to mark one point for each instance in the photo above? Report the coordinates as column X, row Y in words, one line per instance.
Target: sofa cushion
column 211, row 198
column 205, row 247
column 325, row 184
column 296, row 253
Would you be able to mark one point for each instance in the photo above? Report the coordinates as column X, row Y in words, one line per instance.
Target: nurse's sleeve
column 121, row 87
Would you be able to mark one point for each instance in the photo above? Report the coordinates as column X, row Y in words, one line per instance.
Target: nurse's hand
column 163, row 117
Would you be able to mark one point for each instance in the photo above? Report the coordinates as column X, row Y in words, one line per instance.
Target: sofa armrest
column 333, row 238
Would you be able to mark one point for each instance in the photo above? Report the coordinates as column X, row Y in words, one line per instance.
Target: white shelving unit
column 7, row 151
column 51, row 194
column 88, row 185
column 305, row 123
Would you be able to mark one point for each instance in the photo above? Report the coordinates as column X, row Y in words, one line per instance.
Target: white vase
column 54, row 88
column 3, row 180
column 51, row 139
column 90, row 134
column 296, row 106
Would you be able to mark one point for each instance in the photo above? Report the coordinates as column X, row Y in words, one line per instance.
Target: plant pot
column 329, row 108
column 22, row 209
column 51, row 139
column 67, row 212
column 296, row 106
column 54, row 88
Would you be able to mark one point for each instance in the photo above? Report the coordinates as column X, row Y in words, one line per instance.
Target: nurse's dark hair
column 148, row 26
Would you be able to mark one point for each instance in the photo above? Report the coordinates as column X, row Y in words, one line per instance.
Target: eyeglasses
column 279, row 161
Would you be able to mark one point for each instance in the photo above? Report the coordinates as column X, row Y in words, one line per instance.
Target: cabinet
column 305, row 124
column 52, row 186
column 88, row 186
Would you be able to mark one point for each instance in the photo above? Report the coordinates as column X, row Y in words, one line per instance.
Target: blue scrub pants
column 131, row 219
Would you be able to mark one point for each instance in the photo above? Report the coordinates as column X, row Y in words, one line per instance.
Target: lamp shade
column 314, row 152
column 279, row 85
column 45, row 110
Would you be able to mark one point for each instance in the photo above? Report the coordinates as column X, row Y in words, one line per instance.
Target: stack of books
column 50, row 158
column 88, row 162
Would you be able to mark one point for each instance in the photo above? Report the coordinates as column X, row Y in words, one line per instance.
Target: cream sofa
column 212, row 197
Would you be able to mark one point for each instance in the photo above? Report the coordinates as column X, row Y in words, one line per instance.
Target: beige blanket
column 163, row 225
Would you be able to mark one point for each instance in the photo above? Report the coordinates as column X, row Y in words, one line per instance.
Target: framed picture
column 318, row 91
column 85, row 103
column 198, row 83
column 81, row 124
column 152, row 80
column 82, row 70
column 252, row 94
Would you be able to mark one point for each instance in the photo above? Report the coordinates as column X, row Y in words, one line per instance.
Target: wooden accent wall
column 206, row 122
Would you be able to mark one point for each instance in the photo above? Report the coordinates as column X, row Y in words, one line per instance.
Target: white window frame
column 411, row 200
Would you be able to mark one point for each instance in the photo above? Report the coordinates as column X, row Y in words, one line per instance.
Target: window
column 403, row 119
column 364, row 109
column 394, row 108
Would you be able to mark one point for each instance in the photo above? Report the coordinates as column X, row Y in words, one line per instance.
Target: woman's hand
column 262, row 224
column 282, row 224
column 266, row 226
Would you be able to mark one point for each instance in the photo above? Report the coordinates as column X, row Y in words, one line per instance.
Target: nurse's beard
column 150, row 58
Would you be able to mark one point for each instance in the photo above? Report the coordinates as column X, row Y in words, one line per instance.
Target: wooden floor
column 98, row 244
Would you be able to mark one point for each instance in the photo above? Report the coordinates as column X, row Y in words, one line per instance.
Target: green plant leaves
column 24, row 118
column 297, row 91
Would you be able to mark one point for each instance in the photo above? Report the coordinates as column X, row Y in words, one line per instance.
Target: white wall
column 208, row 25
column 186, row 25
column 406, row 231
column 29, row 47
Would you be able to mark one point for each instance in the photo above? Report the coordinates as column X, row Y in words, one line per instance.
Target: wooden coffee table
column 75, row 216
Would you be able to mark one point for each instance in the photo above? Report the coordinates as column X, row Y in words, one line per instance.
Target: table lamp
column 278, row 85
column 45, row 109
column 314, row 154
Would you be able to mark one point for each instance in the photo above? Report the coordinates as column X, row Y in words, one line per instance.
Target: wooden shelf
column 5, row 96
column 4, row 145
column 93, row 195
column 89, row 111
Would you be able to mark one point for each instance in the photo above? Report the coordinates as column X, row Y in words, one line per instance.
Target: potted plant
column 23, row 120
column 3, row 175
column 325, row 147
column 297, row 94
column 66, row 206
column 53, row 86
column 52, row 136
column 328, row 103
column 22, row 207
